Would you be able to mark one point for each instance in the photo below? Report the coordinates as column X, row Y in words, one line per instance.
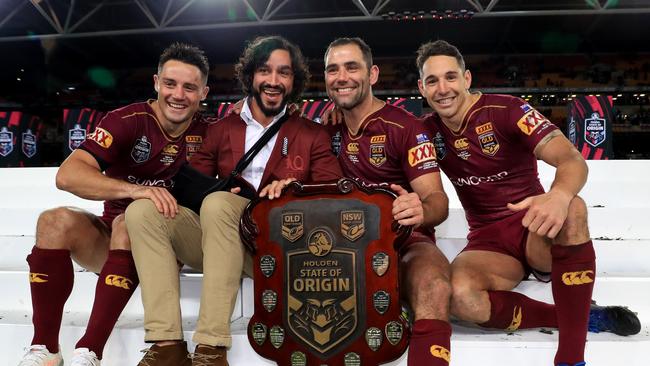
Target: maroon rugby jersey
column 391, row 147
column 490, row 159
column 130, row 144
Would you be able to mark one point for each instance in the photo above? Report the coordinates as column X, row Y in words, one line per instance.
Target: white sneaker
column 38, row 355
column 84, row 357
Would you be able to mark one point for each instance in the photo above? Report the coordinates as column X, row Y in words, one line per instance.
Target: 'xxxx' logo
column 37, row 277
column 440, row 352
column 577, row 278
column 118, row 281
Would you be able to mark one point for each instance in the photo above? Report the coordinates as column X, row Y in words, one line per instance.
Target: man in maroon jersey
column 488, row 146
column 132, row 154
column 385, row 146
column 272, row 71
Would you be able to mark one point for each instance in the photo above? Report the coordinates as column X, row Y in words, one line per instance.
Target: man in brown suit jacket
column 272, row 72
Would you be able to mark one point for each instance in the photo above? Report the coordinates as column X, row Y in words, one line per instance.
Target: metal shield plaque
column 353, row 224
column 374, row 338
column 292, row 226
column 276, row 335
column 258, row 331
column 394, row 332
column 380, row 263
column 351, row 359
column 325, row 282
column 267, row 265
column 269, row 300
column 298, row 359
column 381, row 301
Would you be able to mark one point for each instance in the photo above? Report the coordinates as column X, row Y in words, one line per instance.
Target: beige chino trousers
column 209, row 243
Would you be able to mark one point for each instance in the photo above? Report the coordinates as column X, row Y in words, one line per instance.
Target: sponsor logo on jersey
column 531, row 121
column 336, row 143
column 486, row 127
column 102, row 137
column 141, row 150
column 167, row 183
column 192, row 145
column 440, row 352
column 421, row 138
column 169, row 154
column 377, row 154
column 517, row 315
column 6, row 141
column 353, row 148
column 474, row 180
column 439, row 143
column 118, row 281
column 193, row 139
column 29, row 143
column 595, row 131
column 462, row 148
column 76, row 136
column 379, row 139
column 578, row 277
column 526, row 108
column 37, row 277
column 421, row 153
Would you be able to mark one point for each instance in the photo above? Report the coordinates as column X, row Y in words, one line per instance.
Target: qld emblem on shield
column 323, row 284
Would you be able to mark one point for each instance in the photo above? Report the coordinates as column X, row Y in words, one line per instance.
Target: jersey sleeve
column 419, row 153
column 110, row 140
column 526, row 125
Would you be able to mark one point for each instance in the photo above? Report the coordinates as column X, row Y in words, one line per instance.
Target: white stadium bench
column 617, row 193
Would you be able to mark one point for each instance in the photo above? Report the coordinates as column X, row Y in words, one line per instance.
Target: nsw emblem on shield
column 323, row 284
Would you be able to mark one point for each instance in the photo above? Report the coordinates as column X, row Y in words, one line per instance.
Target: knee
column 575, row 228
column 138, row 212
column 577, row 214
column 119, row 235
column 461, row 293
column 428, row 290
column 222, row 206
column 52, row 225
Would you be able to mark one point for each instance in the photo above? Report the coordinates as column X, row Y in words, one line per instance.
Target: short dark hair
column 258, row 52
column 438, row 48
column 188, row 54
column 363, row 46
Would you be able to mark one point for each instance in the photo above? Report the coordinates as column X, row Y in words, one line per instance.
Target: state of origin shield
column 326, row 276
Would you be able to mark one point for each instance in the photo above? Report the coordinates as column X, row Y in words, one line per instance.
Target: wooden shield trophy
column 326, row 276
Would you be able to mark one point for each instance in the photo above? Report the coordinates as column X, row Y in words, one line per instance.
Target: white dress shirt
column 254, row 130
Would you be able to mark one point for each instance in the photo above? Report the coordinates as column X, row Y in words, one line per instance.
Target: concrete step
column 614, row 256
column 470, row 346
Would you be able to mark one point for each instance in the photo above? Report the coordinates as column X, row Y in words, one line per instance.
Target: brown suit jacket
column 308, row 156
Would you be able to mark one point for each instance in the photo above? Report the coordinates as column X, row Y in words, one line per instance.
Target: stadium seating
column 617, row 195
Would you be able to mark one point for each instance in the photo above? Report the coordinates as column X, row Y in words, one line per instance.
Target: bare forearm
column 570, row 176
column 436, row 208
column 87, row 182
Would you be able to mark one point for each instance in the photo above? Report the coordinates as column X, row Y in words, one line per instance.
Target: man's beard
column 269, row 111
column 349, row 105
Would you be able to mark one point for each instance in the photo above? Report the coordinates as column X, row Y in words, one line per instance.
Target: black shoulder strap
column 250, row 154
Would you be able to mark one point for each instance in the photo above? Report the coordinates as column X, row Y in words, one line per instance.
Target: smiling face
column 445, row 86
column 347, row 77
column 273, row 83
column 180, row 87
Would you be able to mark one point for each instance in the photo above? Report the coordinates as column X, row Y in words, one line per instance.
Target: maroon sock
column 50, row 279
column 430, row 343
column 573, row 276
column 115, row 285
column 511, row 311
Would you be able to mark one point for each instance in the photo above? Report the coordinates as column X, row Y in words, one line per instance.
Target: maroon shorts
column 419, row 235
column 507, row 236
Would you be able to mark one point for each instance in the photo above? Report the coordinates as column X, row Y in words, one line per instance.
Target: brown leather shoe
column 205, row 355
column 172, row 355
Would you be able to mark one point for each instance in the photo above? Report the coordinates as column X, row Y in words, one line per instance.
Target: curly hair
column 438, row 48
column 258, row 52
column 188, row 54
